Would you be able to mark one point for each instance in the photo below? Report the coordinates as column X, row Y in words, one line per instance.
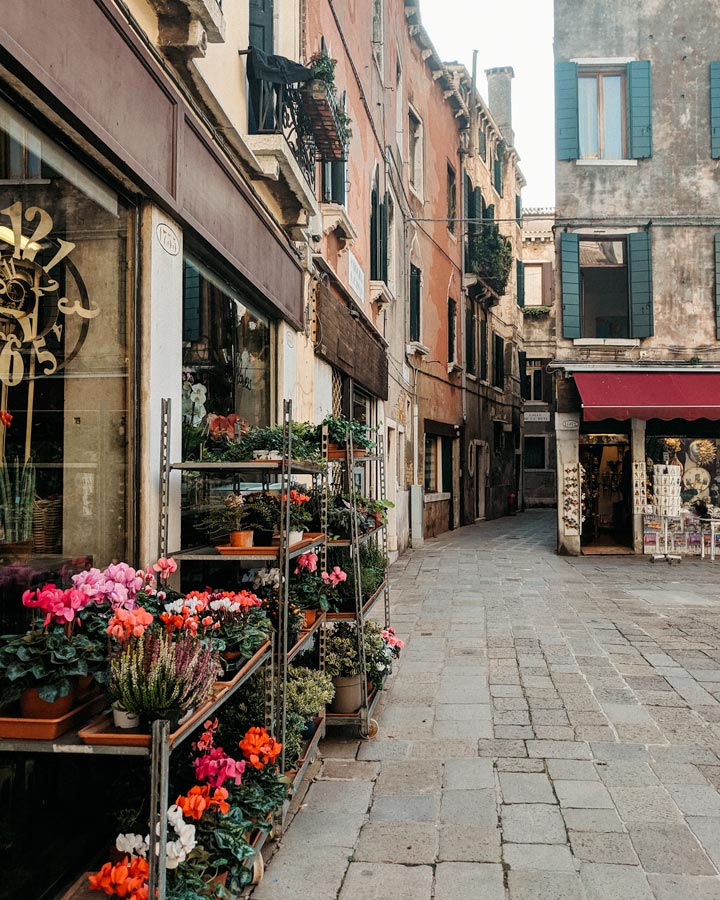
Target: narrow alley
column 552, row 732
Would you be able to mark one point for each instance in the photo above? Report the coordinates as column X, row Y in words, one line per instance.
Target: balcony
column 281, row 136
column 328, row 119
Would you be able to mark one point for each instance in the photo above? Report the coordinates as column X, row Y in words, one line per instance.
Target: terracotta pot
column 220, row 878
column 241, row 538
column 348, row 694
column 310, row 617
column 86, row 687
column 32, row 706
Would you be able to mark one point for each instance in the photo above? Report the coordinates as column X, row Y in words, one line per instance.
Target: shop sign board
column 537, row 416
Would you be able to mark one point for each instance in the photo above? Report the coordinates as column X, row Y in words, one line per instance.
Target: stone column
column 160, row 347
column 567, row 433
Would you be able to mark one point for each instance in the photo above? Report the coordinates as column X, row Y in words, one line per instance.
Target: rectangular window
column 432, row 463
column 66, row 264
column 483, row 350
column 415, row 292
column 452, row 330
column 534, row 294
column 535, row 453
column 451, row 199
column 605, row 306
column 482, row 144
column 534, row 380
column 226, row 359
column 415, row 152
column 601, row 114
column 498, row 361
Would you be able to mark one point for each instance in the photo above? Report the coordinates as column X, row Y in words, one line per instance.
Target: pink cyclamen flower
column 215, row 767
column 166, row 566
column 308, row 562
column 335, row 577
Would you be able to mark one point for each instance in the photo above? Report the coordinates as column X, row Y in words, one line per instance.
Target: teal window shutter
column 717, row 286
column 715, row 110
column 640, row 276
column 639, row 110
column 567, row 139
column 570, row 261
column 520, row 283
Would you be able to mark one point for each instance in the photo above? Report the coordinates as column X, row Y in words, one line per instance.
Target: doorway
column 482, row 470
column 607, row 490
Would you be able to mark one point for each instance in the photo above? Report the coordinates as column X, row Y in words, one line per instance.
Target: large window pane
column 612, row 117
column 588, row 117
column 226, row 359
column 65, row 251
column 605, row 292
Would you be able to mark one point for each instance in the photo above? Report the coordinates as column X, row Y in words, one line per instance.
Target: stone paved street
column 552, row 733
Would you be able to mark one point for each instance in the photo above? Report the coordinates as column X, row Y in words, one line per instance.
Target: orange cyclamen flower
column 259, row 748
column 5, row 419
column 199, row 799
column 127, row 878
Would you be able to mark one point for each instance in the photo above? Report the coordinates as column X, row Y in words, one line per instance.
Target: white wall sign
column 167, row 239
column 356, row 275
column 537, row 416
column 571, row 423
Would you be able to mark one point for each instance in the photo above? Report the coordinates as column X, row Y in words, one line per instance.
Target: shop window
column 226, row 360
column 535, row 453
column 65, row 360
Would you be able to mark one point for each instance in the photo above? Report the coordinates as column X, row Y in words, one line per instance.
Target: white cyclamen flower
column 132, row 844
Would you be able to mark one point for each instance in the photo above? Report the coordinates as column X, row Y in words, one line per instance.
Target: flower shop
column 195, row 709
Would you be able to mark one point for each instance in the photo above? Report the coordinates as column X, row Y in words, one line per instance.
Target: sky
column 515, row 33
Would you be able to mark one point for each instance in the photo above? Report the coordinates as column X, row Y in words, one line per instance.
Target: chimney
column 500, row 100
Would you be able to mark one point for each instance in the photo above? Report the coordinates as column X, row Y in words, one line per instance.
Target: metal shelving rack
column 363, row 718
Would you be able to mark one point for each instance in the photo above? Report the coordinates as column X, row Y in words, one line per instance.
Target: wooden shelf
column 249, row 554
column 297, row 467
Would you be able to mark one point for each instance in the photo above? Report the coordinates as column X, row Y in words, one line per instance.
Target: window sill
column 606, row 162
column 335, row 218
column 454, row 367
column 606, row 342
column 437, row 497
column 380, row 293
column 415, row 347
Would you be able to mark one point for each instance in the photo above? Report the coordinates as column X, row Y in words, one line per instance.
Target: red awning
column 649, row 395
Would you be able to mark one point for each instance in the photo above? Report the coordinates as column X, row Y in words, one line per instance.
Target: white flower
column 132, row 844
column 198, row 394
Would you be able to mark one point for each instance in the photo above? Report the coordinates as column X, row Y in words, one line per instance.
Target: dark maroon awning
column 649, row 395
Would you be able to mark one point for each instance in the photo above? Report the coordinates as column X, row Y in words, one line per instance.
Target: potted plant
column 339, row 428
column 230, row 517
column 313, row 591
column 300, row 514
column 161, row 675
column 308, row 692
column 262, row 517
column 41, row 667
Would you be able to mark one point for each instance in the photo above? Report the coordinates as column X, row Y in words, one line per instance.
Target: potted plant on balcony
column 338, row 430
column 331, row 124
column 491, row 258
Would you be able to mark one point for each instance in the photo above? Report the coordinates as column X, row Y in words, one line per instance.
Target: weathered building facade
column 539, row 333
column 637, row 101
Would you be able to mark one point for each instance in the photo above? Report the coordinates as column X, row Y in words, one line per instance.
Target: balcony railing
column 278, row 109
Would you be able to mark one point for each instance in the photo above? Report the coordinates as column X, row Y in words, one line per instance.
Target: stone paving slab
column 552, row 732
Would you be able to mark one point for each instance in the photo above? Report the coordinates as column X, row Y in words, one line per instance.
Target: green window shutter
column 570, row 262
column 384, row 239
column 639, row 110
column 524, row 382
column 490, row 212
column 717, row 286
column 497, row 176
column 415, row 287
column 520, row 283
column 374, row 234
column 483, row 350
column 567, row 136
column 715, row 110
column 518, row 208
column 640, row 276
column 483, row 144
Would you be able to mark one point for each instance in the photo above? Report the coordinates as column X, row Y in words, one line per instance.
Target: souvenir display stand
column 348, row 462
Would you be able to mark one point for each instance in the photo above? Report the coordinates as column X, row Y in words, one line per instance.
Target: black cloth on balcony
column 276, row 69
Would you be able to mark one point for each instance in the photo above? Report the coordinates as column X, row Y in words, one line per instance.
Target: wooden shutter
column 518, row 208
column 570, row 262
column 482, row 144
column 414, row 303
column 717, row 286
column 567, row 133
column 483, row 350
column 191, row 303
column 490, row 212
column 452, row 330
column 520, row 282
column 261, row 25
column 499, row 361
column 374, row 234
column 639, row 109
column 383, row 243
column 715, row 110
column 497, row 176
column 524, row 383
column 470, row 338
column 640, row 278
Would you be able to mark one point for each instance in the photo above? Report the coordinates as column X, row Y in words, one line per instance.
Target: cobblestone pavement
column 552, row 733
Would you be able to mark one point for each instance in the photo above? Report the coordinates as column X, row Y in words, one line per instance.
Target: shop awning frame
column 649, row 395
